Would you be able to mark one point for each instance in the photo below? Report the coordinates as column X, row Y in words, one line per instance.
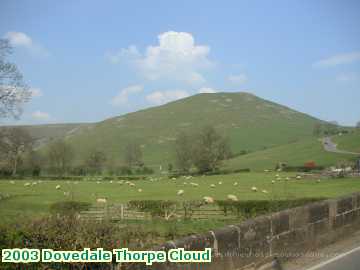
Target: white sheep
column 254, row 189
column 194, row 184
column 27, row 184
column 298, row 177
column 58, row 187
column 236, row 183
column 265, row 191
column 180, row 192
column 273, row 182
column 132, row 185
column 232, row 197
column 139, row 190
column 220, row 183
column 212, row 185
column 12, row 182
column 67, row 193
column 101, row 200
column 208, row 199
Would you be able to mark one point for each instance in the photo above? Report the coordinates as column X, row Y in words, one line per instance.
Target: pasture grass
column 26, row 202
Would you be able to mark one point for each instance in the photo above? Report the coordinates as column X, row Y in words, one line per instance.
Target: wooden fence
column 118, row 212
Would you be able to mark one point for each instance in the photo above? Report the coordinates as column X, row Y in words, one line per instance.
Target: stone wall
column 261, row 242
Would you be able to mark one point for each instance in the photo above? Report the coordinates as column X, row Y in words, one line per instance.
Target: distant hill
column 42, row 134
column 250, row 122
column 268, row 131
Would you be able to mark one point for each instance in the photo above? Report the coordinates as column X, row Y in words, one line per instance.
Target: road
column 330, row 146
column 346, row 261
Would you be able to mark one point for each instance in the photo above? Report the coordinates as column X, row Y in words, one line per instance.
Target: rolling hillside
column 294, row 154
column 250, row 122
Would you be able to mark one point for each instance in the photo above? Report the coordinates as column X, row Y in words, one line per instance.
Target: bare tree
column 183, row 151
column 96, row 160
column 14, row 142
column 133, row 154
column 13, row 91
column 60, row 155
column 209, row 149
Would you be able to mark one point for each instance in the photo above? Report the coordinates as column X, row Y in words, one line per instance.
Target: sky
column 86, row 61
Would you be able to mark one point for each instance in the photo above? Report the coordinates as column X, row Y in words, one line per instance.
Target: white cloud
column 123, row 96
column 161, row 97
column 36, row 92
column 339, row 59
column 206, row 90
column 175, row 57
column 41, row 116
column 347, row 77
column 238, row 79
column 127, row 54
column 20, row 39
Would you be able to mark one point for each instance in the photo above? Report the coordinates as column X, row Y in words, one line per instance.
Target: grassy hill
column 349, row 142
column 44, row 133
column 294, row 154
column 251, row 123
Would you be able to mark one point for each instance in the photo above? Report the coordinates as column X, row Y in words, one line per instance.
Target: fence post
column 122, row 211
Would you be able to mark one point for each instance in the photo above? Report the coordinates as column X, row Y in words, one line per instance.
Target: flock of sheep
column 179, row 192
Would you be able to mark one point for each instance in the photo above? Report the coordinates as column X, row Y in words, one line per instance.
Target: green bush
column 254, row 208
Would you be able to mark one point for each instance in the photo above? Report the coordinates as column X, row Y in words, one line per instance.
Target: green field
column 294, row 154
column 348, row 142
column 35, row 200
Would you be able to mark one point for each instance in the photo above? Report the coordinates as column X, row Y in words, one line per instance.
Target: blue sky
column 89, row 60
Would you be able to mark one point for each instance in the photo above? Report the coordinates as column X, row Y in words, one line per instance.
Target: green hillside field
column 294, row 154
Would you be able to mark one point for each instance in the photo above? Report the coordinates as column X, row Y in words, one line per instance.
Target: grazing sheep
column 111, row 182
column 185, row 183
column 180, row 192
column 208, row 199
column 33, row 183
column 254, row 189
column 236, row 183
column 132, row 185
column 273, row 182
column 277, row 175
column 220, row 183
column 76, row 182
column 101, row 200
column 232, row 197
column 173, row 178
column 12, row 182
column 264, row 191
column 298, row 177
column 27, row 184
column 67, row 193
column 318, row 180
column 194, row 184
column 139, row 190
column 98, row 182
column 58, row 187
column 212, row 185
